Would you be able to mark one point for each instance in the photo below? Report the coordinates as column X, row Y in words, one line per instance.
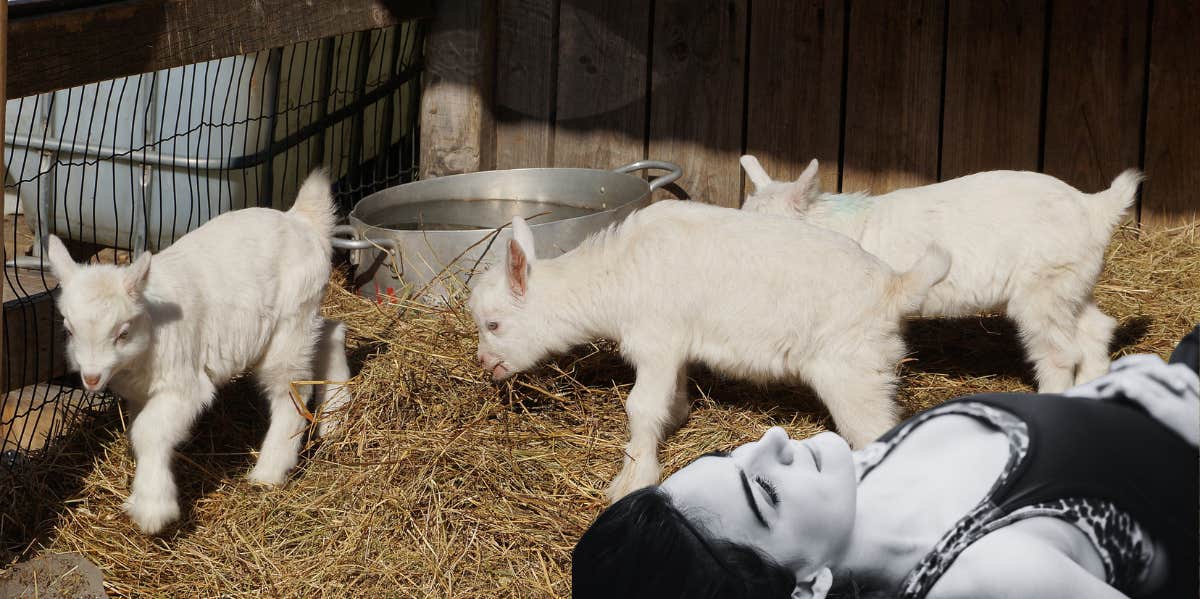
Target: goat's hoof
column 268, row 476
column 628, row 481
column 152, row 515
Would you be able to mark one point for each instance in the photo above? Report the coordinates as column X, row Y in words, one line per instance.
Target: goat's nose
column 91, row 380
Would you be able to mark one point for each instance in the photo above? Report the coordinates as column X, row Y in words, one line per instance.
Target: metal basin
column 429, row 237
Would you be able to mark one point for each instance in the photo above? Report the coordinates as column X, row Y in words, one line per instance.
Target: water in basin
column 474, row 214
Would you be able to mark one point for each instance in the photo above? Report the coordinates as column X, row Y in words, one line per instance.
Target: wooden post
column 457, row 128
column 3, row 174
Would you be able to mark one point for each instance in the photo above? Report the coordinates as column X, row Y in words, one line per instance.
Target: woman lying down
column 1090, row 495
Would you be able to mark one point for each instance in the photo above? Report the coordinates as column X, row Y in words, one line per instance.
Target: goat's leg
column 859, row 393
column 160, row 426
column 1047, row 323
column 331, row 365
column 653, row 409
column 288, row 358
column 1095, row 331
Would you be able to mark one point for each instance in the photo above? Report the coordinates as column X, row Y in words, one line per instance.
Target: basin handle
column 675, row 171
column 357, row 244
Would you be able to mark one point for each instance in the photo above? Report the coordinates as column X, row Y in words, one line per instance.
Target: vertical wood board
column 697, row 93
column 1171, row 192
column 601, row 112
column 994, row 56
column 893, row 89
column 1094, row 90
column 526, row 52
column 794, row 102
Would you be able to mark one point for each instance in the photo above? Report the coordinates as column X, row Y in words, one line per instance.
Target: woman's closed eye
column 768, row 488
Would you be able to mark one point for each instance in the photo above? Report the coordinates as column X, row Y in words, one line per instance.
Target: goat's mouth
column 500, row 372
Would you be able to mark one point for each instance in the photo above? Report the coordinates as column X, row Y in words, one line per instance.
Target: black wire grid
column 122, row 166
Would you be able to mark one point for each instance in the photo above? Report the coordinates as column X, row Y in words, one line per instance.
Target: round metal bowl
column 424, row 236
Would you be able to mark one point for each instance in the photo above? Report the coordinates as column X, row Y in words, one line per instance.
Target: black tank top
column 1105, row 466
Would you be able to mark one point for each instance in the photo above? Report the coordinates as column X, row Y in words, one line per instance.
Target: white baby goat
column 240, row 292
column 681, row 282
column 1022, row 242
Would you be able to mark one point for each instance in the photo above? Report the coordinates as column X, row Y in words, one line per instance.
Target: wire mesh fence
column 129, row 165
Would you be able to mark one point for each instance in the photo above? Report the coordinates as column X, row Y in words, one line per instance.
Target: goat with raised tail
column 751, row 296
column 242, row 292
column 1022, row 242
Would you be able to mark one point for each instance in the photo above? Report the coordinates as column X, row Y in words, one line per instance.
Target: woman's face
column 792, row 500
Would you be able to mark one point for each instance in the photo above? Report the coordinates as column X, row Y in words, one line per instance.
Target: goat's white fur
column 750, row 296
column 241, row 292
column 1022, row 242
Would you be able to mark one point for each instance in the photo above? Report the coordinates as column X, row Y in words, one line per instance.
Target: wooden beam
column 64, row 49
column 457, row 127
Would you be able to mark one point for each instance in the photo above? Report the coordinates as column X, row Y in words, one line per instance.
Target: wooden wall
column 886, row 94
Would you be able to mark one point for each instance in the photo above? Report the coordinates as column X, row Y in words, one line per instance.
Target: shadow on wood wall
column 885, row 94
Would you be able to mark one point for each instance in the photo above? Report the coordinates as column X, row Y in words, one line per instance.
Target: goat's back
column 223, row 290
column 743, row 282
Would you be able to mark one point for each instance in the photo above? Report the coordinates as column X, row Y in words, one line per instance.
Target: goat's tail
column 1107, row 207
column 913, row 285
column 314, row 203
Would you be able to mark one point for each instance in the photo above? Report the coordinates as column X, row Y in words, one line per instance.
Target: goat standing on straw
column 241, row 292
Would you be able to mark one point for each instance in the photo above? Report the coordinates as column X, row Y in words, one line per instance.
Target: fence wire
column 129, row 165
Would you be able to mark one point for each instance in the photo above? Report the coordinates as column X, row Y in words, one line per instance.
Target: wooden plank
column 457, row 130
column 65, row 49
column 994, row 56
column 601, row 114
column 33, row 337
column 893, row 86
column 526, row 53
column 1173, row 119
column 1094, row 90
column 696, row 101
column 795, row 95
column 33, row 416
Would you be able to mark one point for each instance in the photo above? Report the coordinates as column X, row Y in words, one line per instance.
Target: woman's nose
column 775, row 445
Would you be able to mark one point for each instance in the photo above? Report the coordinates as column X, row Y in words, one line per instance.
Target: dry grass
column 445, row 485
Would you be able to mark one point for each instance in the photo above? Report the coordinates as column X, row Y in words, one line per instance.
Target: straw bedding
column 443, row 484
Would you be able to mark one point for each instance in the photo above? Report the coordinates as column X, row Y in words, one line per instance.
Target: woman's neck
column 918, row 493
column 882, row 549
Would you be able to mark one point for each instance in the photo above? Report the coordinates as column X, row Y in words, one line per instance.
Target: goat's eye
column 492, row 325
column 123, row 336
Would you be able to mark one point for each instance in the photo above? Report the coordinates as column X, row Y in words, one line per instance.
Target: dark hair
column 643, row 546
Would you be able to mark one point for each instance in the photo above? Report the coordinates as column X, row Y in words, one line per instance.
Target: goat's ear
column 518, row 269
column 524, row 236
column 135, row 274
column 807, row 186
column 755, row 172
column 61, row 263
column 815, row 586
